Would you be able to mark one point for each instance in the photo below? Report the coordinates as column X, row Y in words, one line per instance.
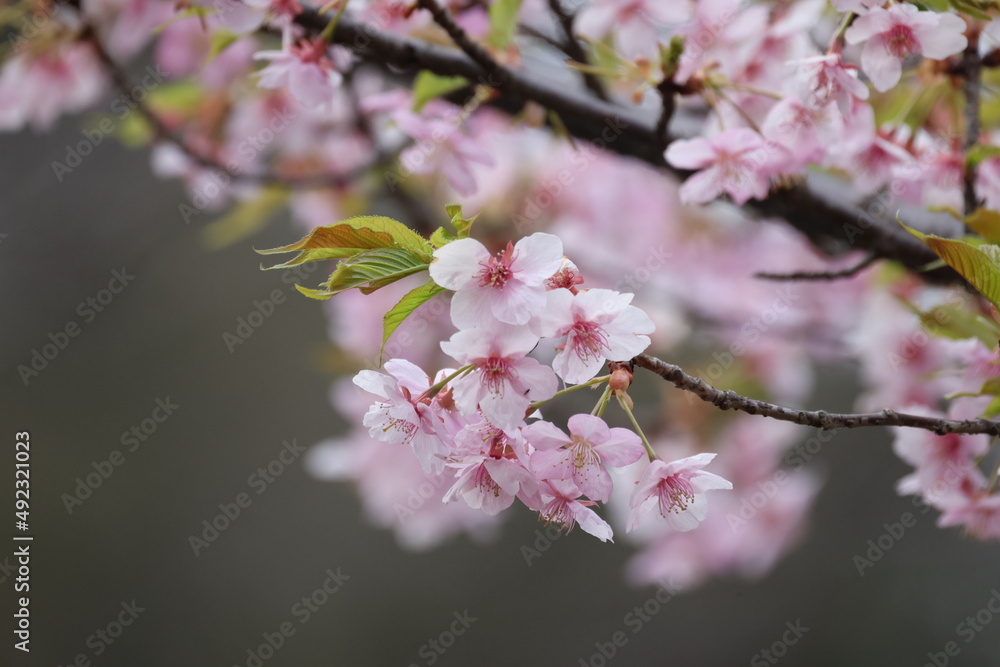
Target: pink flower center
column 496, row 271
column 675, row 493
column 557, row 511
column 495, row 373
column 286, row 7
column 583, row 453
column 901, row 42
column 312, row 52
column 485, row 483
column 587, row 339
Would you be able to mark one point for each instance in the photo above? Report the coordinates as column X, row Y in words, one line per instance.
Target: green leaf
column 350, row 237
column 986, row 223
column 980, row 152
column 993, row 409
column 441, row 237
column 979, row 265
column 428, row 86
column 503, row 22
column 991, row 387
column 958, row 323
column 221, row 40
column 369, row 271
column 934, row 5
column 246, row 218
column 461, row 224
column 972, row 8
column 409, row 303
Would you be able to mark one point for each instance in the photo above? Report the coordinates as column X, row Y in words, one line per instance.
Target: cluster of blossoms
column 759, row 103
column 472, row 424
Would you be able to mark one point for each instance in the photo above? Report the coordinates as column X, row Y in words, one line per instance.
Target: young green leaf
column 986, row 223
column 409, row 303
column 368, row 271
column 503, row 22
column 979, row 265
column 350, row 237
column 428, row 86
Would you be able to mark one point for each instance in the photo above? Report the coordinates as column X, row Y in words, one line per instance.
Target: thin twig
column 849, row 272
column 730, row 400
column 164, row 133
column 571, row 47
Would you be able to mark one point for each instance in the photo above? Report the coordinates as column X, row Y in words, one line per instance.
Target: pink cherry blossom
column 503, row 381
column 583, row 455
column 636, row 24
column 491, row 470
column 36, row 88
column 402, row 418
column 901, row 31
column 677, row 489
column 977, row 510
column 562, row 505
column 825, row 78
column 599, row 325
column 508, row 287
column 734, row 162
column 305, row 68
column 441, row 145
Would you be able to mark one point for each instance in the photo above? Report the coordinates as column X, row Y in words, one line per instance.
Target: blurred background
column 130, row 542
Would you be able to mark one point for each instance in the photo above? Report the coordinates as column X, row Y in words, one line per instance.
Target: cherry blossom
column 893, row 34
column 508, row 287
column 583, row 455
column 599, row 325
column 306, row 68
column 503, row 381
column 735, row 162
column 677, row 489
column 562, row 506
column 491, row 469
column 404, row 416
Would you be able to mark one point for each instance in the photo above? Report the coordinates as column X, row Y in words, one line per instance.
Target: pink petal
column 458, row 262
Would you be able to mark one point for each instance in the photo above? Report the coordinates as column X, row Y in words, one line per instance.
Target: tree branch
column 849, row 272
column 824, row 208
column 571, row 47
column 972, row 67
column 729, row 400
column 165, row 133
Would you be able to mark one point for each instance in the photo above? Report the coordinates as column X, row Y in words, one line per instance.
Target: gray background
column 163, row 337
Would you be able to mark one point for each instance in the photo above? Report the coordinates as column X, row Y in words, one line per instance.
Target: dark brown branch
column 971, row 67
column 849, row 272
column 822, row 207
column 729, row 400
column 571, row 47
